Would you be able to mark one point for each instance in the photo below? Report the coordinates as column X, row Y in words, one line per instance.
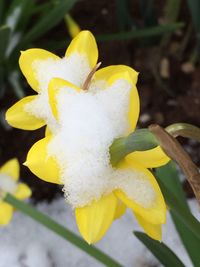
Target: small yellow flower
column 9, row 175
column 82, row 125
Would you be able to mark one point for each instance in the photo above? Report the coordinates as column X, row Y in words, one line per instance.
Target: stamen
column 89, row 77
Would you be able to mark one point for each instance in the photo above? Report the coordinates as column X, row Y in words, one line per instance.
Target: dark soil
column 175, row 98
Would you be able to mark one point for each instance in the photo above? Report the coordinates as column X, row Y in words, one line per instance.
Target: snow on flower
column 85, row 110
column 9, row 175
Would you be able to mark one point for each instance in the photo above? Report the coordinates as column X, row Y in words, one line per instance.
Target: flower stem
column 61, row 231
column 184, row 130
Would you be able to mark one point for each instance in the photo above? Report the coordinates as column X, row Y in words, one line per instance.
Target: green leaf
column 14, row 80
column 168, row 174
column 147, row 10
column 163, row 253
column 19, row 14
column 4, row 38
column 61, row 231
column 123, row 15
column 52, row 18
column 27, row 8
column 134, row 34
column 194, row 6
column 139, row 140
column 14, row 12
column 2, row 85
column 141, row 33
column 177, row 209
column 41, row 8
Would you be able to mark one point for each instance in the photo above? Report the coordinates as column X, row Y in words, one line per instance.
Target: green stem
column 185, row 130
column 140, row 140
column 61, row 231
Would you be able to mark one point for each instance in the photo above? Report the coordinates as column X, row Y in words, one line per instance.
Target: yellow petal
column 152, row 158
column 47, row 131
column 53, row 89
column 112, row 73
column 26, row 61
column 95, row 219
column 152, row 230
column 6, row 212
column 11, row 168
column 41, row 164
column 117, row 72
column 134, row 109
column 154, row 212
column 85, row 44
column 22, row 192
column 120, row 209
column 17, row 116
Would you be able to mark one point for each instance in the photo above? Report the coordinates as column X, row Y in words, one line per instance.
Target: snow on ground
column 24, row 243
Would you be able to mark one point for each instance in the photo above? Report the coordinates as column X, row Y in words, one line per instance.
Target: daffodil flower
column 9, row 175
column 88, row 114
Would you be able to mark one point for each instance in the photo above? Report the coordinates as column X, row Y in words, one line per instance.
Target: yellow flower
column 83, row 125
column 9, row 175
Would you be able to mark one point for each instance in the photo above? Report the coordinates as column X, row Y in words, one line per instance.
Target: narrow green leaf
column 134, row 34
column 141, row 33
column 190, row 241
column 14, row 80
column 194, row 6
column 2, row 85
column 168, row 174
column 48, row 21
column 147, row 10
column 123, row 15
column 4, row 38
column 162, row 252
column 13, row 13
column 27, row 8
column 176, row 208
column 61, row 231
column 41, row 8
column 19, row 14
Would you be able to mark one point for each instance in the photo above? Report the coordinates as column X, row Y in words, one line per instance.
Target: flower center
column 7, row 184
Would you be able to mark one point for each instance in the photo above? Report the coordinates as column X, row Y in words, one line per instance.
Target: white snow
column 32, row 245
column 89, row 122
column 136, row 186
column 7, row 184
column 74, row 68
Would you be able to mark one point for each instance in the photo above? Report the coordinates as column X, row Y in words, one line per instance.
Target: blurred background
column 160, row 39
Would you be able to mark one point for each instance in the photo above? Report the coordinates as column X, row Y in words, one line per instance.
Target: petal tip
column 25, row 163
